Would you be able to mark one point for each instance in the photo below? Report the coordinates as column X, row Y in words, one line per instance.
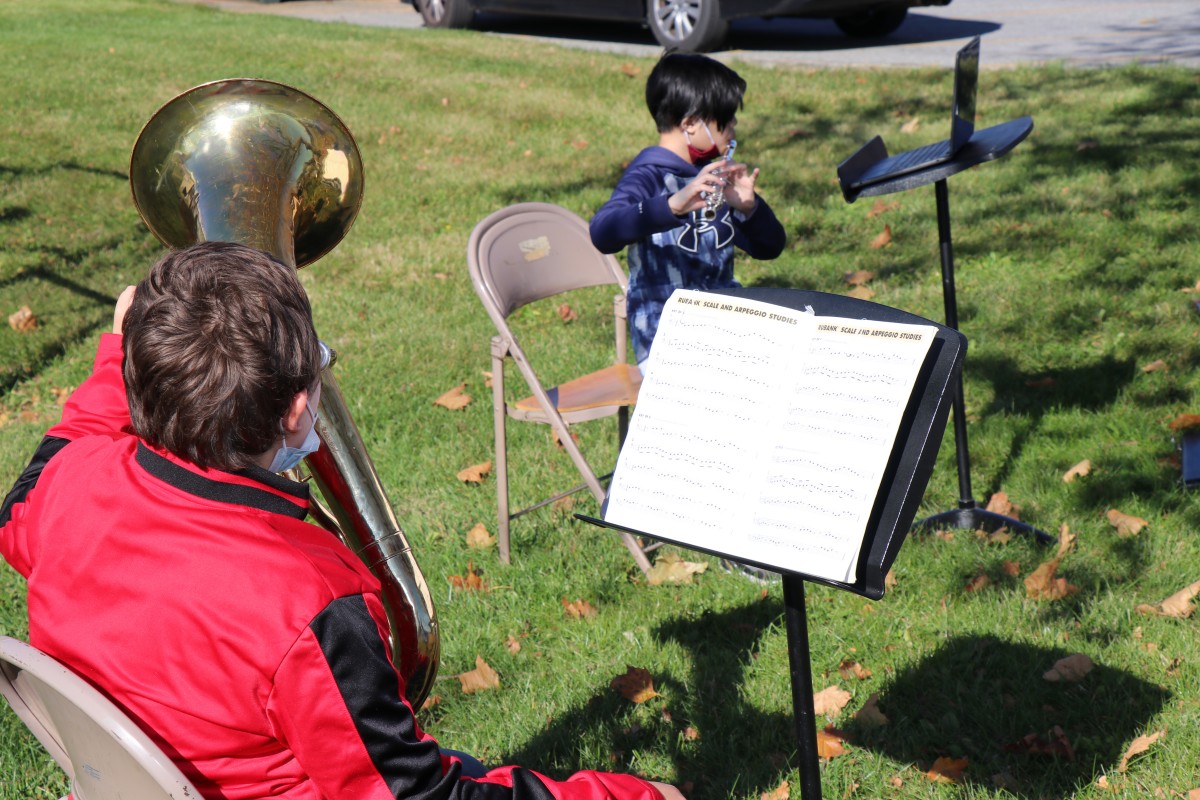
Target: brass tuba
column 266, row 165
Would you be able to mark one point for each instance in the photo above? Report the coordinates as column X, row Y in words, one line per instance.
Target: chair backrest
column 531, row 251
column 103, row 752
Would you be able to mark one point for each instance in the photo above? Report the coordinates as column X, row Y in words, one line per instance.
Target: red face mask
column 696, row 154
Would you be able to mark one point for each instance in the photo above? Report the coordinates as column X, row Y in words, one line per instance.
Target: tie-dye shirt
column 667, row 252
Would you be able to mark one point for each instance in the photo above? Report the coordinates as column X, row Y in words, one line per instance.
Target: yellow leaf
column 1071, row 669
column 670, row 568
column 475, row 473
column 1066, row 539
column 911, row 126
column 830, row 700
column 479, row 538
column 1078, row 471
column 480, row 679
column 1125, row 524
column 635, row 685
column 1140, row 745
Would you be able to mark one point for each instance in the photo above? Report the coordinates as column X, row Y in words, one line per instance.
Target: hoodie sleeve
column 637, row 209
column 761, row 235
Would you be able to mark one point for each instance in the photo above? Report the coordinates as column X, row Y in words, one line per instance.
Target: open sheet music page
column 763, row 432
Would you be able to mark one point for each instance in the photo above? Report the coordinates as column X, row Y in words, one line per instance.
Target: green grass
column 1071, row 254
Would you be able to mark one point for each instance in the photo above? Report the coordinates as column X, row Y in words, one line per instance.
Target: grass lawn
column 1076, row 280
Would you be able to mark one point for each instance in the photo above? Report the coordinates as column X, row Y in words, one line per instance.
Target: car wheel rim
column 676, row 19
column 436, row 9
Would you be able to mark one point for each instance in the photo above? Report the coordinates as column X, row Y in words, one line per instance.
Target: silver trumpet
column 263, row 164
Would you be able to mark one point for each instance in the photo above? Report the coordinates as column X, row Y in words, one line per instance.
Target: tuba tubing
column 268, row 166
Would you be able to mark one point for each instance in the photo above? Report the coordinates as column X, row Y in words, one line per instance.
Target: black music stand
column 985, row 145
column 901, row 489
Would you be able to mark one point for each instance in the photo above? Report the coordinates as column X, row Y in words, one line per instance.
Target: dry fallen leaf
column 869, row 716
column 554, row 437
column 1140, row 745
column 911, row 126
column 883, row 239
column 830, row 700
column 1066, row 540
column 831, row 742
column 1042, row 585
column 850, row 668
column 475, row 473
column 630, row 70
column 22, row 320
column 1053, row 743
column 479, row 538
column 978, row 583
column 1180, row 604
column 512, row 644
column 431, row 701
column 580, row 609
column 1158, row 365
column 566, row 313
column 1078, row 471
column 670, row 568
column 1048, row 382
column 1185, row 422
column 947, row 770
column 890, row 581
column 780, row 792
column 1011, row 568
column 881, row 207
column 635, row 685
column 480, row 679
column 690, row 734
column 858, row 277
column 471, row 582
column 1125, row 524
column 1000, row 504
column 1071, row 669
column 861, row 292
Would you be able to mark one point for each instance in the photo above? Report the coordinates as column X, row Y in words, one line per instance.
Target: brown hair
column 218, row 340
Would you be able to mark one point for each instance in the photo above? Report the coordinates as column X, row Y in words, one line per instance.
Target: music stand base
column 973, row 518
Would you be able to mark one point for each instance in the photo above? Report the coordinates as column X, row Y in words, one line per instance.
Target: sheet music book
column 763, row 433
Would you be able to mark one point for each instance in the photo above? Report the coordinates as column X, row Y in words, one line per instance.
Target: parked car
column 689, row 25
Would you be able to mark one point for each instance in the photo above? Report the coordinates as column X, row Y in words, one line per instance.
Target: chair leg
column 500, row 415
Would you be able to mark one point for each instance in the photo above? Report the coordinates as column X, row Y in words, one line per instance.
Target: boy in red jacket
column 171, row 566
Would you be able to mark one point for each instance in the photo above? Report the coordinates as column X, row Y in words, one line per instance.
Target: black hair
column 683, row 85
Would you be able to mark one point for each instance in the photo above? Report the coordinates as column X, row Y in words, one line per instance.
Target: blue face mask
column 288, row 457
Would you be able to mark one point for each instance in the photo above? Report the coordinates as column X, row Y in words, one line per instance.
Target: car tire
column 445, row 13
column 691, row 26
column 872, row 22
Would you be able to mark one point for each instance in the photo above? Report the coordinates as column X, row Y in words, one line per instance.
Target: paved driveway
column 1076, row 32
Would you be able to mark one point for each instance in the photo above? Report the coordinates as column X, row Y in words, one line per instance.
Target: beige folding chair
column 105, row 755
column 529, row 252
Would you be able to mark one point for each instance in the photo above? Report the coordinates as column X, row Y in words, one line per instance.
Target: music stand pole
column 802, row 692
column 968, row 515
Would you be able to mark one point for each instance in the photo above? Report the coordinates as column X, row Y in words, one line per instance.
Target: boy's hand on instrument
column 712, row 178
column 740, row 191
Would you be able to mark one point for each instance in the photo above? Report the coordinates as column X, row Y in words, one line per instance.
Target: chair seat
column 617, row 385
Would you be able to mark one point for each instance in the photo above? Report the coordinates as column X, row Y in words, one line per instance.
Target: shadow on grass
column 984, row 699
column 739, row 745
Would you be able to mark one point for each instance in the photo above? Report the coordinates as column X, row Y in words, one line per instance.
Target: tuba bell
column 266, row 165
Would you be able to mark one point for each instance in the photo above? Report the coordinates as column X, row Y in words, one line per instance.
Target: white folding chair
column 105, row 754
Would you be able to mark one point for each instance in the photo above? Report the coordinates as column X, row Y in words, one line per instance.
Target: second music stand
column 985, row 145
